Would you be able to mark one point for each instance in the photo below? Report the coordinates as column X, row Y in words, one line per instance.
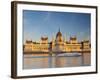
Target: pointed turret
column 59, row 33
column 53, row 39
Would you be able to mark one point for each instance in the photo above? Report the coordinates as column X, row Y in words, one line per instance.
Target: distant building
column 58, row 44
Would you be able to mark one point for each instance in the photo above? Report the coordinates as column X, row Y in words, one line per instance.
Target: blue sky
column 47, row 23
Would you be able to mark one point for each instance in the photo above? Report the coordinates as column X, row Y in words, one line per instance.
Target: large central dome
column 59, row 37
column 59, row 34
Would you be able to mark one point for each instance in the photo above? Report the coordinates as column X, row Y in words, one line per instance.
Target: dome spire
column 59, row 29
column 59, row 33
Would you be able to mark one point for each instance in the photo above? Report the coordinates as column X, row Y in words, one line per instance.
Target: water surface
column 33, row 61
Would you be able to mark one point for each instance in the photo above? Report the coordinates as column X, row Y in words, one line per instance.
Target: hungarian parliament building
column 57, row 44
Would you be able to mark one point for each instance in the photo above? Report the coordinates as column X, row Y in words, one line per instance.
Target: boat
column 70, row 54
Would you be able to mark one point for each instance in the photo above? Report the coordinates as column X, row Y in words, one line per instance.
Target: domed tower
column 59, row 43
column 59, row 38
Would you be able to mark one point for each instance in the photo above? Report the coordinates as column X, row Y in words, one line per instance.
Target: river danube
column 34, row 61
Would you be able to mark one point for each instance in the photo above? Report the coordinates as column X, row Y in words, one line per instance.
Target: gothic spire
column 59, row 29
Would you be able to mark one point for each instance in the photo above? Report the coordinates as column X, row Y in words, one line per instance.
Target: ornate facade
column 57, row 44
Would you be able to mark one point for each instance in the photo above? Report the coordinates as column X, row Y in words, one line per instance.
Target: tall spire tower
column 59, row 29
column 53, row 39
column 65, row 37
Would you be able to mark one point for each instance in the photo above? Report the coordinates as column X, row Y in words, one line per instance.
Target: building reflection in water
column 36, row 62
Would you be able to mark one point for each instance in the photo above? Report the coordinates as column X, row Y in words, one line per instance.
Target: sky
column 37, row 24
